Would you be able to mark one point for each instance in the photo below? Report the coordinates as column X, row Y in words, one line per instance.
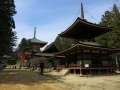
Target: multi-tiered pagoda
column 36, row 43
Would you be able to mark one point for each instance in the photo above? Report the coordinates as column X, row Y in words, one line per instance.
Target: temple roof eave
column 78, row 47
column 34, row 40
column 51, row 48
column 80, row 22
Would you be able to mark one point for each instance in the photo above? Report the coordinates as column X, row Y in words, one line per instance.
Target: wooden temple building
column 86, row 55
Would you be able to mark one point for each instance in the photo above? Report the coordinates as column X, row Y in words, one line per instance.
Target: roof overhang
column 48, row 55
column 38, row 42
column 51, row 48
column 78, row 47
column 81, row 29
column 34, row 44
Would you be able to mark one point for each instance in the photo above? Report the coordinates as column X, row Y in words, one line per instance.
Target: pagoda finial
column 82, row 11
column 34, row 32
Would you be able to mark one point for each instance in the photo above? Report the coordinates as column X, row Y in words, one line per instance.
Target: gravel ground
column 11, row 79
column 27, row 80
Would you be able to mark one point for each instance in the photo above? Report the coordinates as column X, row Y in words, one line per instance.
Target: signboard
column 86, row 65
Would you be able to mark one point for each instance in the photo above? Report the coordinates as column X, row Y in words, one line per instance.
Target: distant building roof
column 48, row 55
column 37, row 42
column 34, row 40
column 51, row 48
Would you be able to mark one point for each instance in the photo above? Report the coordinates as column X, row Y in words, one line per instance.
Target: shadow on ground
column 27, row 77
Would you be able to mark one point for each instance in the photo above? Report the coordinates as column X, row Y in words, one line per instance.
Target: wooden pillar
column 99, row 71
column 116, row 61
column 108, row 63
column 81, row 64
column 74, row 71
column 90, row 71
column 81, row 72
column 107, row 70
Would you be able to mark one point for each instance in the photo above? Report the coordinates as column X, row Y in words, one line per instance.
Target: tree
column 111, row 19
column 63, row 43
column 7, row 36
column 25, row 46
column 111, row 39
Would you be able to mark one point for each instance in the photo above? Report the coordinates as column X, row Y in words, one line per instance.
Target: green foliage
column 7, row 36
column 63, row 43
column 111, row 19
column 25, row 46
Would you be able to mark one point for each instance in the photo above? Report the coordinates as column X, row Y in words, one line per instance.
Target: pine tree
column 111, row 39
column 7, row 36
column 25, row 46
column 111, row 19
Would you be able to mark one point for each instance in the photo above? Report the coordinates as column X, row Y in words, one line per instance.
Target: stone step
column 64, row 71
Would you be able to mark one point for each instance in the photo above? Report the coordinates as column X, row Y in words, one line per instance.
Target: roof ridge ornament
column 82, row 11
column 34, row 32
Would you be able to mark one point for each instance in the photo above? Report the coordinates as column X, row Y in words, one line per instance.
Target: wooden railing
column 90, row 66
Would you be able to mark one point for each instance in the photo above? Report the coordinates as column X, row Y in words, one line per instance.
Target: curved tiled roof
column 34, row 40
column 82, row 29
column 81, row 46
column 51, row 48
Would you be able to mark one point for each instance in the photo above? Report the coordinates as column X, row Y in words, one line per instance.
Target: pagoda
column 36, row 43
column 86, row 55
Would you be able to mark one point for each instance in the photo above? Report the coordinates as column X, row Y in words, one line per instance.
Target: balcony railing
column 90, row 66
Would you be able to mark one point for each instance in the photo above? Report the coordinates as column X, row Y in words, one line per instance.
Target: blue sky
column 51, row 17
